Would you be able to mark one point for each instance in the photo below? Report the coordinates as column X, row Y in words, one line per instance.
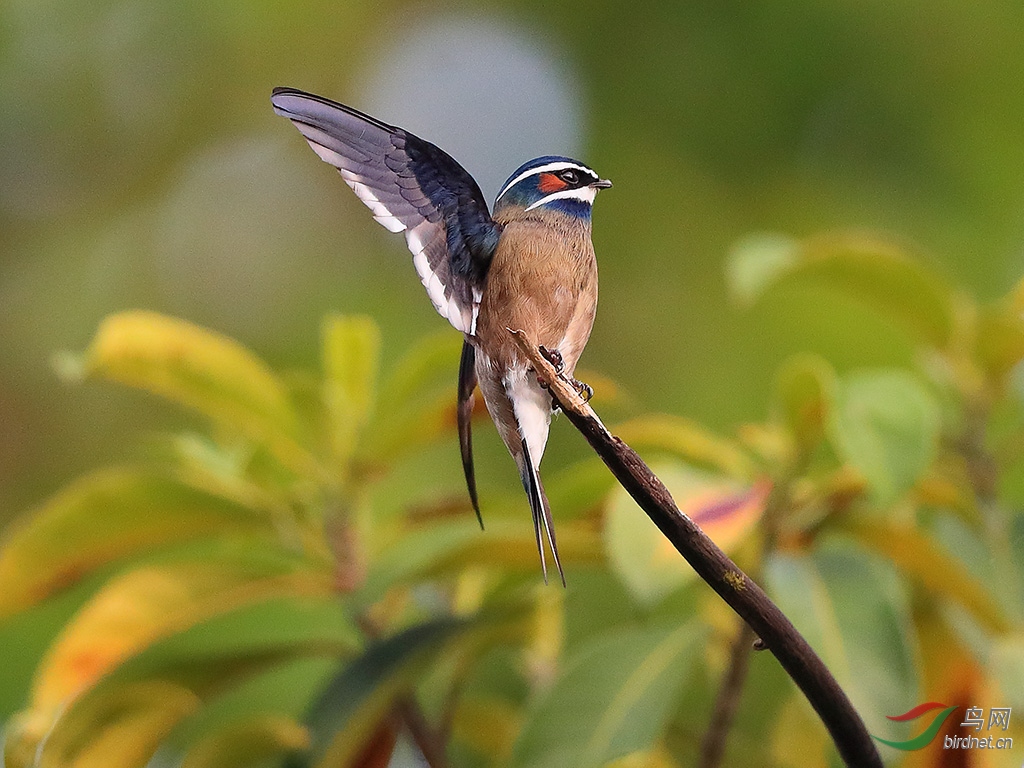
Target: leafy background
column 275, row 552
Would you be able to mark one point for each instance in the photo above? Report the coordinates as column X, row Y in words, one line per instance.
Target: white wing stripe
column 419, row 238
column 435, row 290
column 364, row 193
column 415, row 240
column 447, row 308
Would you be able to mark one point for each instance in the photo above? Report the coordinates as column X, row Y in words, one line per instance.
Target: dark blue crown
column 525, row 186
column 537, row 162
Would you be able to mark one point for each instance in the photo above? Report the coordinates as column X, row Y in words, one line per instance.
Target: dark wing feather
column 411, row 186
column 464, row 412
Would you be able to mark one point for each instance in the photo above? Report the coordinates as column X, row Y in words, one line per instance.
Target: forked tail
column 541, row 511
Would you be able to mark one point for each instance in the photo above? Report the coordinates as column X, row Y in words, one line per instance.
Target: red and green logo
column 928, row 734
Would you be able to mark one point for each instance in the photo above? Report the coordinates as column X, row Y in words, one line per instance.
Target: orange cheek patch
column 550, row 183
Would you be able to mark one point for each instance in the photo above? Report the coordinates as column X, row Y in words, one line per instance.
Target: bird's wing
column 411, row 186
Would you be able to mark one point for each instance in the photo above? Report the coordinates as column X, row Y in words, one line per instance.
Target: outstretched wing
column 411, row 186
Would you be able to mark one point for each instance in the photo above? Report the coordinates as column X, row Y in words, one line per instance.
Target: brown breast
column 542, row 280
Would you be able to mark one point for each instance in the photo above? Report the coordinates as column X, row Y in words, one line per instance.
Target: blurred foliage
column 279, row 577
column 290, row 585
column 141, row 166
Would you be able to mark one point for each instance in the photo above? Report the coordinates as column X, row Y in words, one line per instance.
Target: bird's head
column 552, row 183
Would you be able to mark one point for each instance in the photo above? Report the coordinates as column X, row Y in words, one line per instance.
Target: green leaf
column 852, row 608
column 279, row 693
column 886, row 425
column 798, row 740
column 644, row 559
column 200, row 624
column 579, row 488
column 613, row 698
column 449, row 546
column 290, row 625
column 874, row 271
column 415, row 554
column 412, row 425
column 1000, row 333
column 758, row 260
column 350, row 708
column 264, row 658
column 431, row 362
column 659, row 757
column 417, row 400
column 201, row 370
column 26, row 636
column 104, row 517
column 351, row 359
column 804, row 392
column 355, row 701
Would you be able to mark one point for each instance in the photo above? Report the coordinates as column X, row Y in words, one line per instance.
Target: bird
column 527, row 266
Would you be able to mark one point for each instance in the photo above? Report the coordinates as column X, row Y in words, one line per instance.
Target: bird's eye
column 569, row 177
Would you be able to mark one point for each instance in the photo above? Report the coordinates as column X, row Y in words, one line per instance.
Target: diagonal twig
column 746, row 598
column 712, row 746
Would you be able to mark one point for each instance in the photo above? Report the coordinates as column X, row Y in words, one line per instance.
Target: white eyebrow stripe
column 560, row 165
column 583, row 194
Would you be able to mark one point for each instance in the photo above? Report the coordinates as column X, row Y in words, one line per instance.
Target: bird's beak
column 601, row 184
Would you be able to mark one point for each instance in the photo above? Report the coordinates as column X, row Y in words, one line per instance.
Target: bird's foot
column 554, row 357
column 583, row 389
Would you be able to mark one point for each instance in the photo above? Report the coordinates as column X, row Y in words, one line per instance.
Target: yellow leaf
column 1000, row 337
column 689, row 440
column 658, row 757
column 804, row 389
column 103, row 517
column 137, row 608
column 645, row 560
column 487, row 724
column 547, row 637
column 939, row 572
column 351, row 352
column 202, row 370
column 243, row 744
column 798, row 738
column 120, row 729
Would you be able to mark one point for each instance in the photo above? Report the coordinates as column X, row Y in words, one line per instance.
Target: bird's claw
column 583, row 389
column 554, row 357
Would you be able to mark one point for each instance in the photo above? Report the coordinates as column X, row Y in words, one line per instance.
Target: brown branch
column 712, row 747
column 746, row 598
column 431, row 742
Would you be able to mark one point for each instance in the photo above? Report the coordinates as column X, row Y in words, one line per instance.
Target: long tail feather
column 541, row 511
column 467, row 383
